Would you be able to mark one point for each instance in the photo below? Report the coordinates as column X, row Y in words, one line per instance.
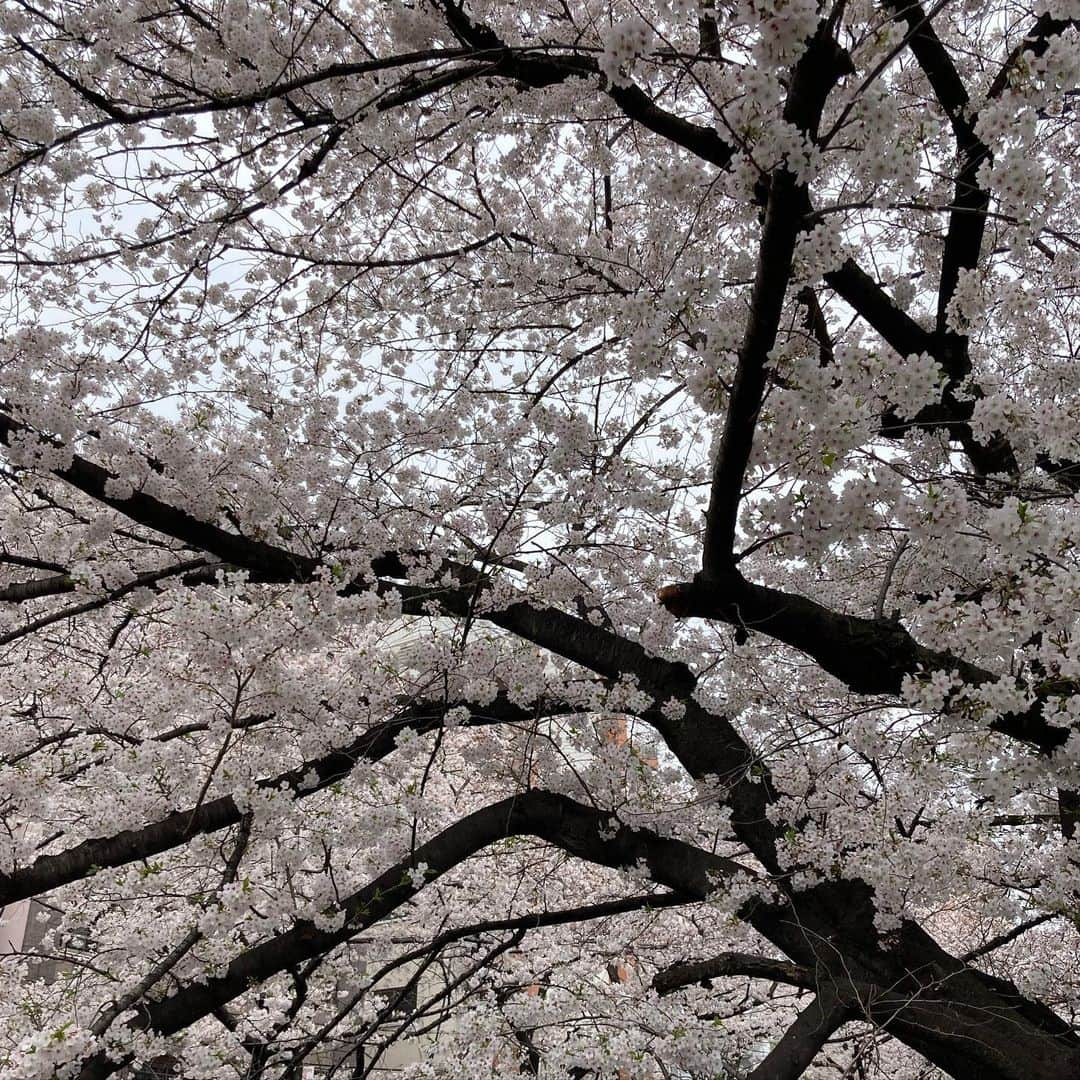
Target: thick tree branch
column 51, row 871
column 870, row 656
column 963, row 241
column 870, row 301
column 731, row 964
column 19, row 592
column 578, row 829
column 967, row 218
column 535, row 71
column 801, row 1043
column 817, row 71
column 952, row 414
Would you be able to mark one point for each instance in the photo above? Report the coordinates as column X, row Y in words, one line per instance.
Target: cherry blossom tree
column 543, row 530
